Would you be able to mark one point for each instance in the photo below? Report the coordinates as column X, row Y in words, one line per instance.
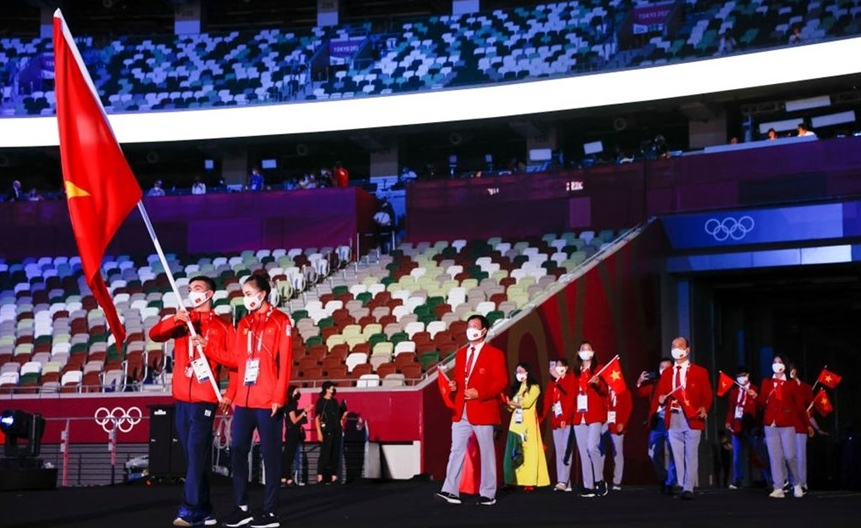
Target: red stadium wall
column 619, row 196
column 212, row 223
column 616, row 306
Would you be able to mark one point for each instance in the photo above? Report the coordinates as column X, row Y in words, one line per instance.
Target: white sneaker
column 777, row 493
column 560, row 486
column 733, row 487
column 797, row 492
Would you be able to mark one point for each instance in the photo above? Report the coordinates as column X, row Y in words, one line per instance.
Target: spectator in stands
column 342, row 177
column 294, row 435
column 384, row 223
column 771, row 135
column 16, row 193
column 34, row 196
column 590, row 415
column 803, row 131
column 478, row 380
column 198, row 187
column 328, row 418
column 255, row 181
column 619, row 407
column 741, row 418
column 308, row 181
column 524, row 463
column 559, row 406
column 195, row 397
column 728, row 43
column 263, row 350
column 156, row 190
column 665, row 467
column 407, row 175
column 325, row 178
column 795, row 35
column 687, row 392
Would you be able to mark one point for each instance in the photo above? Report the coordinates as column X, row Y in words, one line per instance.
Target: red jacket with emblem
column 696, row 393
column 782, row 404
column 489, row 378
column 596, row 397
column 266, row 337
column 219, row 351
column 620, row 403
column 564, row 391
column 749, row 411
column 806, row 393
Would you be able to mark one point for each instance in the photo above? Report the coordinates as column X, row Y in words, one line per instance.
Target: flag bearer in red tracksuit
column 196, row 401
column 619, row 408
column 806, row 392
column 263, row 352
column 559, row 406
column 783, row 409
column 741, row 419
column 590, row 415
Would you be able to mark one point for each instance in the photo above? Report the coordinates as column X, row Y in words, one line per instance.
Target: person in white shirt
column 198, row 187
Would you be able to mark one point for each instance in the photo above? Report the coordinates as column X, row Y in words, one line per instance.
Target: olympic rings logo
column 729, row 227
column 118, row 418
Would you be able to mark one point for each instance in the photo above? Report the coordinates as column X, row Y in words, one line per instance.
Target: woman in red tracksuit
column 590, row 415
column 263, row 353
column 559, row 399
column 783, row 410
column 619, row 406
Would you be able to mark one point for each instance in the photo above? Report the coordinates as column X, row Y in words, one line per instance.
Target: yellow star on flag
column 73, row 191
column 615, row 375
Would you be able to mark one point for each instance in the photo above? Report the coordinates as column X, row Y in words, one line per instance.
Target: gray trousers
column 685, row 443
column 560, row 443
column 589, row 446
column 801, row 460
column 460, row 433
column 780, row 442
column 618, row 458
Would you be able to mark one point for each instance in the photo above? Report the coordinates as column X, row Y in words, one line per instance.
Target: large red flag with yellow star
column 828, row 378
column 612, row 374
column 725, row 383
column 100, row 187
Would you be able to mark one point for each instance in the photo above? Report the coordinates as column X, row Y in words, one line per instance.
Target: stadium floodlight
column 20, row 425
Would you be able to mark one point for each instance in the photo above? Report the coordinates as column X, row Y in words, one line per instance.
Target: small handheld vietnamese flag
column 823, row 404
column 724, row 383
column 828, row 378
column 612, row 374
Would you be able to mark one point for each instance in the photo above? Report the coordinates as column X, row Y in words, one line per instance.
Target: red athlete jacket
column 266, row 337
column 697, row 393
column 782, row 404
column 806, row 392
column 564, row 391
column 749, row 411
column 219, row 351
column 489, row 377
column 596, row 397
column 623, row 407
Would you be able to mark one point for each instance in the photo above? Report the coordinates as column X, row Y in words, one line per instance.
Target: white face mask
column 742, row 380
column 679, row 353
column 473, row 334
column 521, row 376
column 252, row 302
column 197, row 298
column 585, row 355
column 561, row 370
column 778, row 368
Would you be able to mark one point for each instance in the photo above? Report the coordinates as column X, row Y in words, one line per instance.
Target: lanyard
column 251, row 331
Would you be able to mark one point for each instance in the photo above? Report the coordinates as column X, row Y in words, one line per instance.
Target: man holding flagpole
column 687, row 391
column 196, row 401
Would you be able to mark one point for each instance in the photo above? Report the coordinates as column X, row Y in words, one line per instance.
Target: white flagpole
column 602, row 369
column 175, row 289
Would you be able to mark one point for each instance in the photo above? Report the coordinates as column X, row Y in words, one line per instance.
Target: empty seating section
column 273, row 65
column 381, row 323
